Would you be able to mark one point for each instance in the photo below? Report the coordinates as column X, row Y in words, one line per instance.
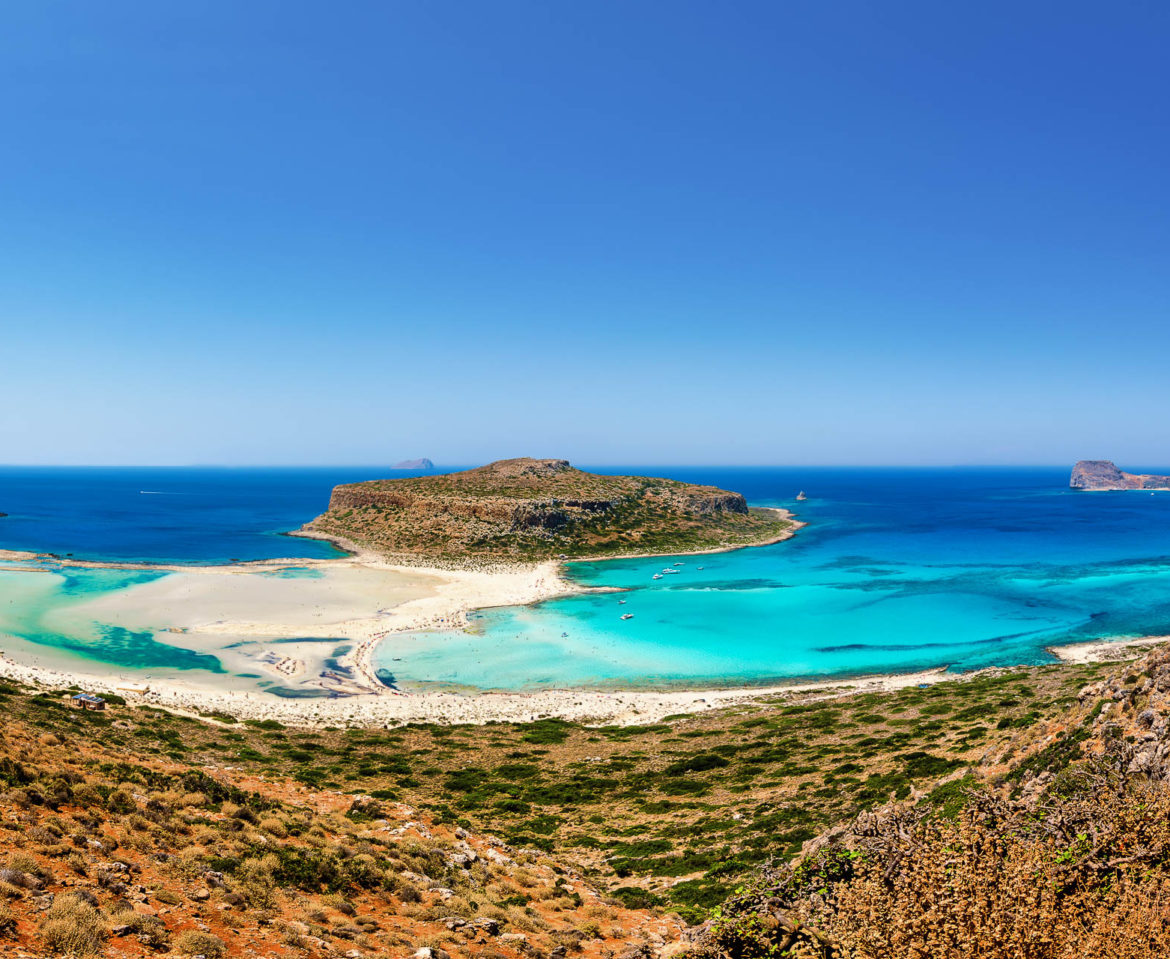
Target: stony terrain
column 104, row 853
column 919, row 817
column 1104, row 475
column 531, row 509
column 1056, row 845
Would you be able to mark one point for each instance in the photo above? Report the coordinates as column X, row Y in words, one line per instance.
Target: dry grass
column 1083, row 875
column 73, row 927
column 192, row 943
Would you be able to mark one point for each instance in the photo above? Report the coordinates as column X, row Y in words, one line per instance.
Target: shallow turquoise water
column 35, row 607
column 898, row 570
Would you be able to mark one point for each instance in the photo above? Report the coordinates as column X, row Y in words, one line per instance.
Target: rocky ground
column 105, row 854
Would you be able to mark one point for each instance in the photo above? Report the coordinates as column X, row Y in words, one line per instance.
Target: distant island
column 419, row 464
column 526, row 510
column 1104, row 475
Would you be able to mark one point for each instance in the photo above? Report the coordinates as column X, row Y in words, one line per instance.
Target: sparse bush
column 192, row 943
column 274, row 826
column 121, row 801
column 151, row 928
column 72, row 926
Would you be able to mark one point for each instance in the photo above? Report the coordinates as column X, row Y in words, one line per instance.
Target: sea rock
column 1104, row 475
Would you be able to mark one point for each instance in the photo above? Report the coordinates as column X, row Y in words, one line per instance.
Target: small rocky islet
column 1104, row 475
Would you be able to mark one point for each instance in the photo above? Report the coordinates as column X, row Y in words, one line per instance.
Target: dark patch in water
column 305, row 639
column 728, row 585
column 135, row 649
column 899, row 647
column 287, row 692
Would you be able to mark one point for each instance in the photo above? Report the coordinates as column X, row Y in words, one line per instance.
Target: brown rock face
column 1104, row 475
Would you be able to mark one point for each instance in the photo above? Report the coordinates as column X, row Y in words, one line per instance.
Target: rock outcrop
column 539, row 508
column 1104, row 475
column 420, row 464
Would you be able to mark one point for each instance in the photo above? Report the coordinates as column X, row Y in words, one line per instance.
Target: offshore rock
column 1104, row 475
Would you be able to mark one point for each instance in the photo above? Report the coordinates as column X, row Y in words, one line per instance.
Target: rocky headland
column 1104, row 475
column 527, row 510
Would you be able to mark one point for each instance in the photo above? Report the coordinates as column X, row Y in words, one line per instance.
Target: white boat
column 680, row 564
column 698, row 567
column 621, row 602
column 656, row 576
column 627, row 615
column 669, row 571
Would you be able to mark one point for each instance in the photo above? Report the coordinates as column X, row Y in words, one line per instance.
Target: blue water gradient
column 169, row 514
column 897, row 570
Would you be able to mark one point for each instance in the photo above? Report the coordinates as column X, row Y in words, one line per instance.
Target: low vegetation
column 525, row 510
column 863, row 825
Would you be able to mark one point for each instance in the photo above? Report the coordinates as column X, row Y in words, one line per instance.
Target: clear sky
column 649, row 232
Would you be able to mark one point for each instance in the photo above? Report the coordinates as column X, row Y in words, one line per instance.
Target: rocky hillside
column 1055, row 846
column 1104, row 475
column 106, row 854
column 531, row 509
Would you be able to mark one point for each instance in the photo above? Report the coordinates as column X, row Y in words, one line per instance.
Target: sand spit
column 1104, row 650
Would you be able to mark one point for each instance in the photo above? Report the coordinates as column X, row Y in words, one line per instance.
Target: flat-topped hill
column 1104, row 475
column 530, row 509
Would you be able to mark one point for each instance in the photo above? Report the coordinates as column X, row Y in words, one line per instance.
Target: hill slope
column 531, row 509
column 106, row 854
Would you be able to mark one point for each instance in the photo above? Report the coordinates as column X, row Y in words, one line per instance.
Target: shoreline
column 389, row 708
column 452, row 596
column 396, row 708
column 1103, row 650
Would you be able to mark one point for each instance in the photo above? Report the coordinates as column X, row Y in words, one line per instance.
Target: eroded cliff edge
column 531, row 509
column 1104, row 475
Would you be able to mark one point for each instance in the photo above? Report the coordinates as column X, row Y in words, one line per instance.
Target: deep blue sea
column 898, row 569
column 169, row 514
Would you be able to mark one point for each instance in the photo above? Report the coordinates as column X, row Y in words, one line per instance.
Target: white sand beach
column 1105, row 650
column 280, row 620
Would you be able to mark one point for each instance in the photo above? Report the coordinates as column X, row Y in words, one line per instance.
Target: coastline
column 1103, row 650
column 388, row 708
column 450, row 596
column 391, row 708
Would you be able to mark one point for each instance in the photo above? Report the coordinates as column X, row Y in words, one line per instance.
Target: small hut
column 87, row 701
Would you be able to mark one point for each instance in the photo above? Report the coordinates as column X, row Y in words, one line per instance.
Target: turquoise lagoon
column 897, row 570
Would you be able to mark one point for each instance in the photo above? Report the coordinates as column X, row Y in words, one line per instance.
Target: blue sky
column 675, row 232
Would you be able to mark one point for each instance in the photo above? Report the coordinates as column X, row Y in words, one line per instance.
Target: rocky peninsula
column 530, row 510
column 1104, row 475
